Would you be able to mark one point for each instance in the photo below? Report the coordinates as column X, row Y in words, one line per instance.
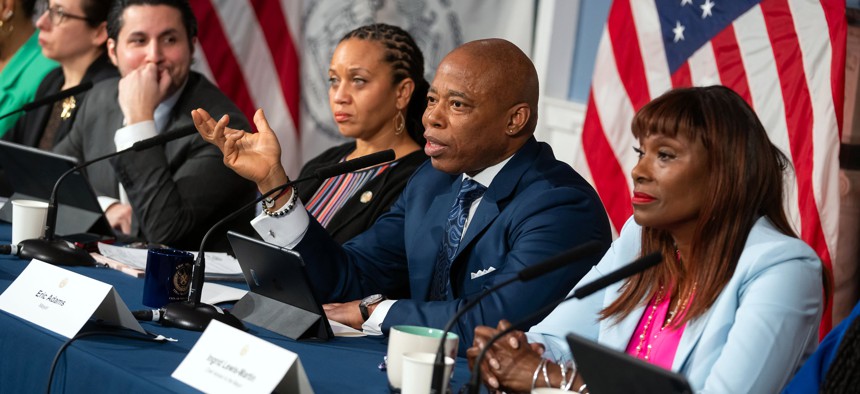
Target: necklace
column 650, row 319
column 679, row 309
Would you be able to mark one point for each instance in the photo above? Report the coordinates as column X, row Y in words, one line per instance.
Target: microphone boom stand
column 637, row 266
column 192, row 314
column 525, row 275
column 60, row 252
column 82, row 87
column 195, row 315
column 53, row 250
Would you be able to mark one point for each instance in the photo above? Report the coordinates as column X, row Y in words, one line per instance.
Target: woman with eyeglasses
column 22, row 65
column 72, row 32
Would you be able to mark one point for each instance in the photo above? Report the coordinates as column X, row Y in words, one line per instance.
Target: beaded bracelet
column 267, row 205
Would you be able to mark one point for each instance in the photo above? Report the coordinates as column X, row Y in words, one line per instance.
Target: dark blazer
column 535, row 208
column 178, row 190
column 356, row 216
column 30, row 127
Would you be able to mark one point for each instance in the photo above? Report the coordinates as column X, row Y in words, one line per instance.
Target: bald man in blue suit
column 479, row 125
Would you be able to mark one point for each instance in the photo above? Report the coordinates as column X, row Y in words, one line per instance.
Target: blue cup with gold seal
column 168, row 276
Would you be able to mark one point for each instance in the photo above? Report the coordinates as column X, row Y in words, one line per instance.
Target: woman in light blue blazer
column 736, row 302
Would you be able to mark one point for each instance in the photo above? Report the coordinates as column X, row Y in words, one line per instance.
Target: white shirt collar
column 486, row 176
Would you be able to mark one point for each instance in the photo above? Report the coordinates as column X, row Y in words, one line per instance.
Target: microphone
column 60, row 252
column 162, row 138
column 161, row 315
column 635, row 267
column 587, row 249
column 148, row 314
column 9, row 249
column 354, row 164
column 639, row 265
column 561, row 260
column 82, row 87
column 195, row 315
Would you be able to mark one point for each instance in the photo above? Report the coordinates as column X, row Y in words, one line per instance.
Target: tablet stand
column 282, row 318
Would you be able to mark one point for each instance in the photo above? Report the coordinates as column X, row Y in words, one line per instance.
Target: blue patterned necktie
column 469, row 192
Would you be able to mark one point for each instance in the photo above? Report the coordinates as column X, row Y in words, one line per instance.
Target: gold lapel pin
column 68, row 106
column 366, row 197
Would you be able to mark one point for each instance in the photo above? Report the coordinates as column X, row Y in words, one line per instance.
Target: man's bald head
column 502, row 69
column 481, row 106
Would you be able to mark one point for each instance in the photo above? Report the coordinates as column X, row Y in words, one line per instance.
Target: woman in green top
column 22, row 65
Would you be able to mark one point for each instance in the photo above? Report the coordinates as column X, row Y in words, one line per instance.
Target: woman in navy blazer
column 736, row 302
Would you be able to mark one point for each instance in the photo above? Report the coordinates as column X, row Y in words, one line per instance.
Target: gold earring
column 399, row 123
column 7, row 16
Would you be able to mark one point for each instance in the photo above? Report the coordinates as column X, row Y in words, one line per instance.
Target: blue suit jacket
column 535, row 208
column 760, row 329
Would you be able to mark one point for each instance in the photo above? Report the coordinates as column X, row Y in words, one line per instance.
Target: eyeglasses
column 58, row 15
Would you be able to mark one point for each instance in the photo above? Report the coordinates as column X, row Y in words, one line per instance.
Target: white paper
column 227, row 360
column 215, row 293
column 216, row 263
column 62, row 301
column 342, row 330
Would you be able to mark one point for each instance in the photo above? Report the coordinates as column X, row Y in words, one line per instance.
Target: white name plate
column 62, row 301
column 227, row 360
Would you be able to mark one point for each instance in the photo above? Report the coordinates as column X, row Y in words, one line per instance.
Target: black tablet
column 608, row 371
column 281, row 297
column 32, row 174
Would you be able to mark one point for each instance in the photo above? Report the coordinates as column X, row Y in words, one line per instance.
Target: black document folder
column 608, row 371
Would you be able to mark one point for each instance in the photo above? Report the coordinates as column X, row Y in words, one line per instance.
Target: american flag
column 248, row 48
column 786, row 58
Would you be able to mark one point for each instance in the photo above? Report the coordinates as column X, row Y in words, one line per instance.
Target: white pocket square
column 481, row 273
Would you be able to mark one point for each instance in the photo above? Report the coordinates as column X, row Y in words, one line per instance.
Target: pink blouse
column 651, row 341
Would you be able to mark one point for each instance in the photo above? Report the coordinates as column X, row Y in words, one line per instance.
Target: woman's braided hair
column 407, row 61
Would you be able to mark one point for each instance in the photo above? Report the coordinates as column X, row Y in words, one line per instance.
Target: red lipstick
column 642, row 198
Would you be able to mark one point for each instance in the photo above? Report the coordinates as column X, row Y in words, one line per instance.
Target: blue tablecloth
column 116, row 365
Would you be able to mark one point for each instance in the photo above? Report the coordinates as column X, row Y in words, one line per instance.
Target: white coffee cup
column 408, row 339
column 28, row 219
column 418, row 372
